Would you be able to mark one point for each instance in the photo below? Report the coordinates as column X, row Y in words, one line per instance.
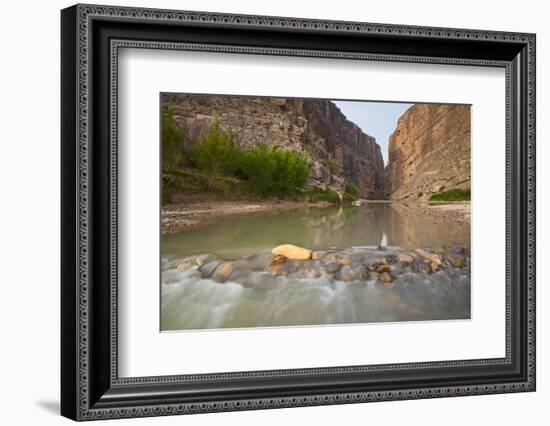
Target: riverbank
column 458, row 211
column 195, row 212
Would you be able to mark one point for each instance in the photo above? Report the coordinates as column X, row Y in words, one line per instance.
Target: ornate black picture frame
column 91, row 36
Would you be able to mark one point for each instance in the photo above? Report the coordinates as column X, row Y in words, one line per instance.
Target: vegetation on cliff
column 455, row 194
column 215, row 162
column 337, row 149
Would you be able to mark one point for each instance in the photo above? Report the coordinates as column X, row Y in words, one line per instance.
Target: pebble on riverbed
column 357, row 264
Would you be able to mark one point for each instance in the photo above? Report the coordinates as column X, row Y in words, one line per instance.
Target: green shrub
column 216, row 152
column 266, row 171
column 173, row 141
column 347, row 198
column 455, row 194
column 419, row 194
column 273, row 171
column 193, row 181
column 167, row 187
column 352, row 190
column 317, row 194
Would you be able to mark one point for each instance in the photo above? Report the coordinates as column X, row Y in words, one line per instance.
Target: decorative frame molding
column 91, row 388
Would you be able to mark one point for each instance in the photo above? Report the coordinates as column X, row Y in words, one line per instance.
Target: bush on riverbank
column 174, row 139
column 455, row 194
column 271, row 171
column 167, row 187
column 216, row 152
column 351, row 192
column 192, row 181
column 314, row 195
column 268, row 171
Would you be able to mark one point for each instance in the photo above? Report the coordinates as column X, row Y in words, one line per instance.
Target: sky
column 377, row 119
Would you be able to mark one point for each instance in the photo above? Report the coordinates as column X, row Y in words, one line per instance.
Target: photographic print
column 299, row 212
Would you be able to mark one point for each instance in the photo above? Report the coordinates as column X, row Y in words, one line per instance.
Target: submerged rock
column 429, row 256
column 372, row 276
column 277, row 260
column 331, row 267
column 345, row 260
column 312, row 268
column 405, row 258
column 204, row 258
column 386, row 278
column 292, row 252
column 457, row 260
column 396, row 269
column 278, row 269
column 223, row 271
column 209, row 268
column 382, row 267
column 458, row 249
column 185, row 266
column 421, row 266
column 364, row 272
column 317, row 255
column 346, row 273
column 342, row 259
column 259, row 261
column 280, row 265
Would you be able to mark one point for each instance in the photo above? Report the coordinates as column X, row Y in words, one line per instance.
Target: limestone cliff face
column 336, row 148
column 429, row 151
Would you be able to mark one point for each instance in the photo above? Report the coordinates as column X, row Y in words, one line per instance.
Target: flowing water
column 190, row 300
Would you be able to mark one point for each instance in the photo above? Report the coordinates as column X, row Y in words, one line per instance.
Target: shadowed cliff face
column 429, row 151
column 337, row 149
column 355, row 152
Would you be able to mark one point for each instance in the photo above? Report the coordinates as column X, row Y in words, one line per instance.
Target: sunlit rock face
column 337, row 149
column 429, row 152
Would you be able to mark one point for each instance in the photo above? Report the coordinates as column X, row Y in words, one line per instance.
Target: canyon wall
column 337, row 149
column 429, row 152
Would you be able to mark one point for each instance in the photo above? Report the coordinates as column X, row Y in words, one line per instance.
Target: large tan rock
column 292, row 252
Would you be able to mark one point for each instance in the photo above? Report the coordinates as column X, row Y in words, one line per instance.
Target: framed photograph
column 263, row 212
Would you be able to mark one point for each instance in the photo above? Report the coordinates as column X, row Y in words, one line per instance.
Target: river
column 250, row 296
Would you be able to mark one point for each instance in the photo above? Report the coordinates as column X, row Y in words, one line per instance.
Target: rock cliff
column 336, row 148
column 429, row 152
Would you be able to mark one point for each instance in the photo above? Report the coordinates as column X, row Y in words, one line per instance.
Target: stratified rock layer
column 336, row 148
column 429, row 152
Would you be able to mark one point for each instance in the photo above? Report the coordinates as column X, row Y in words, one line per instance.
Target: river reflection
column 318, row 228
